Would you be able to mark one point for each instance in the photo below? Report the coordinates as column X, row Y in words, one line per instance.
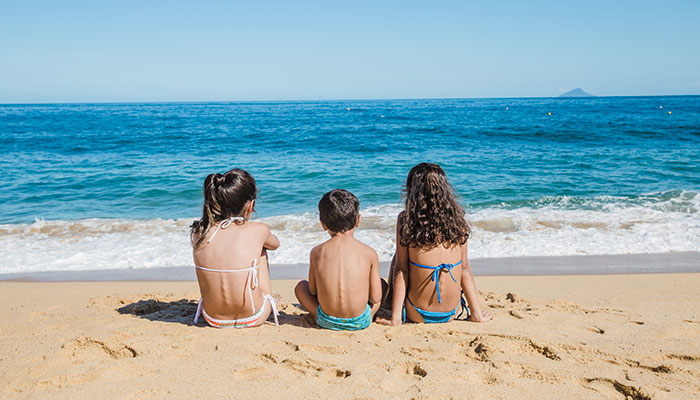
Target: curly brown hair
column 433, row 215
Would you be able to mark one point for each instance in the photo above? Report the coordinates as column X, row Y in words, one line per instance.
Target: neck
column 349, row 233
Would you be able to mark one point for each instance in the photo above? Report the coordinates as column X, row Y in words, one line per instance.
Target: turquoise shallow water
column 116, row 185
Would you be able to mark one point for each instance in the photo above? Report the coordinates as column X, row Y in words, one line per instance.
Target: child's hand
column 388, row 322
column 485, row 316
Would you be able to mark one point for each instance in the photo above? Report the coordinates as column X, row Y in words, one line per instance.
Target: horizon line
column 335, row 100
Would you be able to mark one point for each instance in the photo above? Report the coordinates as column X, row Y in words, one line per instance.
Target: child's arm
column 312, row 273
column 305, row 291
column 469, row 288
column 375, row 282
column 400, row 285
column 400, row 281
column 271, row 241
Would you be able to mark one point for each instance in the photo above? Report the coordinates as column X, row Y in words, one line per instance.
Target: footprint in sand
column 418, row 353
column 115, row 351
column 308, row 366
column 499, row 343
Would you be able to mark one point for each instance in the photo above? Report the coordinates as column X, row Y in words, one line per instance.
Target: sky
column 119, row 51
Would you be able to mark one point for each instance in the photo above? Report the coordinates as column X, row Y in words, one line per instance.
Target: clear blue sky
column 70, row 51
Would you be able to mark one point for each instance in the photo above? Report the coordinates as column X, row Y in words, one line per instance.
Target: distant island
column 578, row 92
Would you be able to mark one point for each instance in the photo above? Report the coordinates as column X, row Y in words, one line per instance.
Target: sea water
column 95, row 186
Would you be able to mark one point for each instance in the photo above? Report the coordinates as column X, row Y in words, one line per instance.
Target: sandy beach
column 551, row 147
column 594, row 336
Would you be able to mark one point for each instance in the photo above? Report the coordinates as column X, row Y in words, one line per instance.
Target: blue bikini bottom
column 434, row 317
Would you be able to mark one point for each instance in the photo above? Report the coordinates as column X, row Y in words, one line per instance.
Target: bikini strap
column 436, row 274
column 223, row 225
column 273, row 305
column 251, row 283
column 253, row 277
column 255, row 265
column 199, row 311
column 464, row 306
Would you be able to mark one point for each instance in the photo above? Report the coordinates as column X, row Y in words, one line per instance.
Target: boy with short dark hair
column 344, row 289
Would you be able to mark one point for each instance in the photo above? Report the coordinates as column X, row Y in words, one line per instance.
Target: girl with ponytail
column 230, row 254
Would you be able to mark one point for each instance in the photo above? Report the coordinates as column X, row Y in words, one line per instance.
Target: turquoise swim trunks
column 344, row 324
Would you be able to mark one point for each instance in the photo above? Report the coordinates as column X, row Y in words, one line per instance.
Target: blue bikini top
column 436, row 273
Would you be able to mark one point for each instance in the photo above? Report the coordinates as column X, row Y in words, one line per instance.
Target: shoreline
column 612, row 264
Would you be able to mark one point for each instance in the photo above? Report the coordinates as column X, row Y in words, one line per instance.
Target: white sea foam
column 551, row 226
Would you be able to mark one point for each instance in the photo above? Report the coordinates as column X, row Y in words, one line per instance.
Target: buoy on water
column 669, row 113
column 506, row 108
column 661, row 106
column 549, row 113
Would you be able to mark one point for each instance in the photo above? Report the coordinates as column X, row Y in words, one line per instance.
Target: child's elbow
column 273, row 243
column 375, row 295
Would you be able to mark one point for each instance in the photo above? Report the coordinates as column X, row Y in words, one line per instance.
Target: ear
column 250, row 207
column 359, row 218
column 325, row 228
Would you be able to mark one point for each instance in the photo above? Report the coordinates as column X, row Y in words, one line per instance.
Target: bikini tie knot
column 223, row 225
column 436, row 276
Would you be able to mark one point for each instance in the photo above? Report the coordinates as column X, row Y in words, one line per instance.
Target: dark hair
column 433, row 215
column 225, row 196
column 338, row 210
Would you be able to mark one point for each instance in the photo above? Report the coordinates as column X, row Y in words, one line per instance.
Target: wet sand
column 688, row 261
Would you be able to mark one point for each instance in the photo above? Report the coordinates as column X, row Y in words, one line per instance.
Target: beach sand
column 596, row 336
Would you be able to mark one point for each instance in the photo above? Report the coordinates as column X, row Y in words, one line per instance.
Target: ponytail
column 225, row 196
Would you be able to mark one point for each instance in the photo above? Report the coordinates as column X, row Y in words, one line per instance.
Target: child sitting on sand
column 344, row 289
column 230, row 254
column 430, row 271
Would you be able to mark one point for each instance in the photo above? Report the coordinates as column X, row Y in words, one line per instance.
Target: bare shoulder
column 367, row 250
column 259, row 227
column 316, row 251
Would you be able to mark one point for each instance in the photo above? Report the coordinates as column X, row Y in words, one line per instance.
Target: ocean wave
column 551, row 226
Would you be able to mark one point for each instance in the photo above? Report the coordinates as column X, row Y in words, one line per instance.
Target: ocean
column 104, row 186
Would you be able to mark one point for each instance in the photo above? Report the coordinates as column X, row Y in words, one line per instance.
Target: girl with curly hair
column 430, row 273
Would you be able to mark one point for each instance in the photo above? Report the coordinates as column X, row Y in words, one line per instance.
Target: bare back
column 422, row 290
column 234, row 248
column 340, row 274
